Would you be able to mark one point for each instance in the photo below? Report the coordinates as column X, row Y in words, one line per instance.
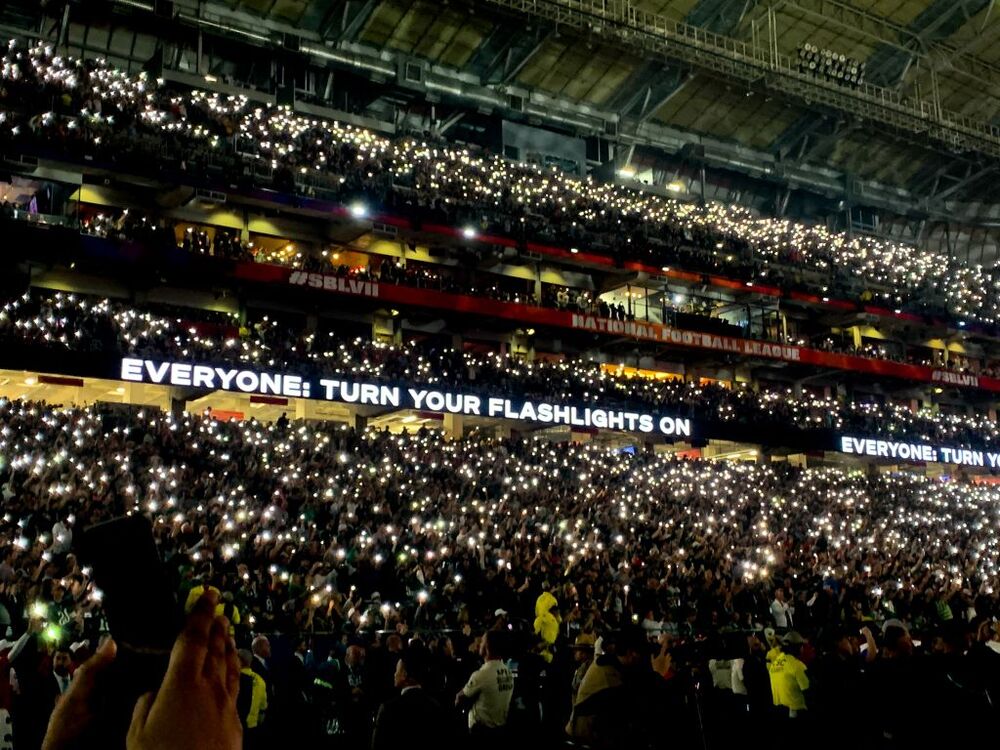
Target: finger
column 85, row 677
column 187, row 659
column 232, row 670
column 218, row 639
column 139, row 715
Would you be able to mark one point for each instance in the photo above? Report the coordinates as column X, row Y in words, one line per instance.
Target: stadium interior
column 616, row 266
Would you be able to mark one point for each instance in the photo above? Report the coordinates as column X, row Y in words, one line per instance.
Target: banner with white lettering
column 917, row 452
column 333, row 283
column 418, row 397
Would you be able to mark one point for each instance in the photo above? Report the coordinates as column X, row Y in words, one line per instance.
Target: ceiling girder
column 929, row 53
column 972, row 176
column 355, row 16
column 719, row 16
column 790, row 141
column 927, row 34
column 462, row 87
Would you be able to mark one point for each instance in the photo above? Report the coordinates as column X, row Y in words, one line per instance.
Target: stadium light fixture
column 628, row 172
column 359, row 210
column 469, row 233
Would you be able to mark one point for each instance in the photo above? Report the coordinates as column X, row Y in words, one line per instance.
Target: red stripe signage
column 540, row 316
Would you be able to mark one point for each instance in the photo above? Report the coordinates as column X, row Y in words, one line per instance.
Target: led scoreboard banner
column 422, row 398
column 469, row 403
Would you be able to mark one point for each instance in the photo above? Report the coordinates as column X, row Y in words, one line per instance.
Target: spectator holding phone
column 194, row 708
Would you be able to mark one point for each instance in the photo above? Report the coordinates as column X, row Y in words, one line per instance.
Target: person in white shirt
column 489, row 690
column 780, row 611
column 62, row 537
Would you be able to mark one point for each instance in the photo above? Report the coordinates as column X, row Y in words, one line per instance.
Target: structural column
column 454, row 426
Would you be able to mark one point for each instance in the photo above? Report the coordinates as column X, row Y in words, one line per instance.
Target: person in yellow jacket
column 789, row 680
column 198, row 591
column 251, row 704
column 226, row 605
column 547, row 623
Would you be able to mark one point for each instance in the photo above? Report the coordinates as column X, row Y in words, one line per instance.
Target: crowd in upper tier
column 88, row 107
column 352, row 544
column 72, row 322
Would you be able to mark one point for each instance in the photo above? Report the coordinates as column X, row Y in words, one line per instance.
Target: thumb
column 139, row 715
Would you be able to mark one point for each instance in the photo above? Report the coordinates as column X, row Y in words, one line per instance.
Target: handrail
column 750, row 61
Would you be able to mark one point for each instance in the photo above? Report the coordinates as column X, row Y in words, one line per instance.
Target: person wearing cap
column 618, row 700
column 583, row 657
column 500, row 619
column 788, row 675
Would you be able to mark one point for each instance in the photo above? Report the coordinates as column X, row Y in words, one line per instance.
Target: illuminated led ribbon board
column 917, row 452
column 420, row 397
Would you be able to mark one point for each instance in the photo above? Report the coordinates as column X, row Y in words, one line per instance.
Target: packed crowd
column 134, row 226
column 91, row 107
column 67, row 322
column 677, row 310
column 349, row 562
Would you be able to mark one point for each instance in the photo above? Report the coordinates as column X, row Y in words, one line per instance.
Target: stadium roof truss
column 720, row 75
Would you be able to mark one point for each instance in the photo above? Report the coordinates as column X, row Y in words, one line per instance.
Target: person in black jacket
column 400, row 720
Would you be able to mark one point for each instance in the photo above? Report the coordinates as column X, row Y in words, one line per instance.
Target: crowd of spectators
column 390, row 588
column 90, row 107
column 135, row 226
column 487, row 574
column 72, row 322
column 677, row 310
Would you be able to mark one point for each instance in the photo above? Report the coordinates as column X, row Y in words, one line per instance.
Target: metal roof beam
column 929, row 53
column 327, row 21
column 720, row 16
column 971, row 177
column 505, row 52
column 815, row 143
column 846, row 16
column 516, row 56
column 490, row 51
column 928, row 32
column 658, row 95
column 927, row 180
column 759, row 62
column 649, row 87
column 632, row 88
column 973, row 45
column 466, row 90
column 790, row 141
